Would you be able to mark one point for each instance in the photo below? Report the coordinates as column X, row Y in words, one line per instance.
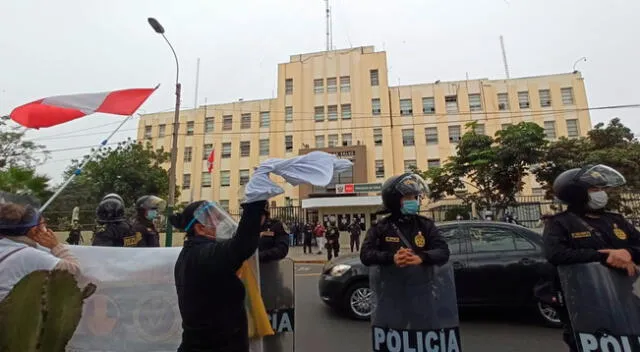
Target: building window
column 408, row 138
column 318, row 86
column 318, row 113
column 190, row 128
column 227, row 123
column 373, row 75
column 319, row 141
column 288, row 86
column 225, row 178
column 332, row 112
column 431, row 135
column 345, row 84
column 345, row 109
column 288, row 144
column 265, row 119
column 406, row 107
column 433, row 163
column 545, row 98
column 567, row 96
column 479, row 129
column 147, row 132
column 379, row 168
column 333, row 140
column 162, row 130
column 206, row 180
column 523, row 100
column 454, row 134
column 572, row 128
column 188, row 154
column 224, row 204
column 332, row 85
column 409, row 165
column 206, row 150
column 375, row 107
column 428, row 106
column 288, row 114
column 503, row 101
column 347, row 139
column 264, row 147
column 186, row 181
column 245, row 148
column 475, row 102
column 377, row 136
column 245, row 121
column 451, row 103
column 506, row 125
column 226, row 151
column 244, row 177
column 208, row 124
column 550, row 129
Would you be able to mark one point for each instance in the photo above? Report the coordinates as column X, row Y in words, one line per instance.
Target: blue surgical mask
column 410, row 207
column 152, row 214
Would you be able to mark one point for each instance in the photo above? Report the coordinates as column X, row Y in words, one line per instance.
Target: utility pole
column 504, row 58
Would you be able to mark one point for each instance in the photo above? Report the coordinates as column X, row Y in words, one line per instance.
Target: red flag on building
column 210, row 160
column 56, row 110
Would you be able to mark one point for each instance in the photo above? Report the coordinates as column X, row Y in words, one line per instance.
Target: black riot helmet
column 151, row 203
column 396, row 187
column 110, row 210
column 114, row 196
column 572, row 186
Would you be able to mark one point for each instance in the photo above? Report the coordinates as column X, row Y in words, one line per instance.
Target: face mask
column 410, row 207
column 152, row 214
column 597, row 200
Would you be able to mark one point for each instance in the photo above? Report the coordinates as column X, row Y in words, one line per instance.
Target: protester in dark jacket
column 274, row 240
column 211, row 297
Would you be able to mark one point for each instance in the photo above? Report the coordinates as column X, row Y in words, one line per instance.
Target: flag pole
column 78, row 171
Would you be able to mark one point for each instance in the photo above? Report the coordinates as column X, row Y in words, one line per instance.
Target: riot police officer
column 274, row 239
column 586, row 232
column 404, row 237
column 147, row 209
column 333, row 241
column 112, row 229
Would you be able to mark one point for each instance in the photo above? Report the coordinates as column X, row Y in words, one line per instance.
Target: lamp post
column 157, row 27
column 577, row 62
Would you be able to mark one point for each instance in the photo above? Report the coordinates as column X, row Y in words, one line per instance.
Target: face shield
column 600, row 176
column 154, row 203
column 21, row 226
column 412, row 185
column 212, row 215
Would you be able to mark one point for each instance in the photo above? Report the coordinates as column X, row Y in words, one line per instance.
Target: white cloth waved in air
column 316, row 168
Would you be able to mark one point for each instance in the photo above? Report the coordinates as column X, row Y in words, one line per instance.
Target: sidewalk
column 297, row 255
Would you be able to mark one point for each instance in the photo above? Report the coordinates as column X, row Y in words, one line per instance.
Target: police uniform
column 146, row 230
column 276, row 247
column 333, row 241
column 112, row 230
column 575, row 235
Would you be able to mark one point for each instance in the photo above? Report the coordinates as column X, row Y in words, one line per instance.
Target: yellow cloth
column 259, row 325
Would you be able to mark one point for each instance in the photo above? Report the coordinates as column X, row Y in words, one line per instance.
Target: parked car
column 496, row 264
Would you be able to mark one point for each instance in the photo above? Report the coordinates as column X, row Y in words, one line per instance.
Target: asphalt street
column 318, row 328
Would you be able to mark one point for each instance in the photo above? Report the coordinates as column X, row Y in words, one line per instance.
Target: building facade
column 341, row 102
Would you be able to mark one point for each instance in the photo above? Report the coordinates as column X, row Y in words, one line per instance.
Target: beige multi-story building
column 341, row 101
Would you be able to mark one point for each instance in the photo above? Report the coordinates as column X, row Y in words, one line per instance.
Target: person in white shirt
column 27, row 245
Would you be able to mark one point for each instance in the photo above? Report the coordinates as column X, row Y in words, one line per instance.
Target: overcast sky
column 78, row 46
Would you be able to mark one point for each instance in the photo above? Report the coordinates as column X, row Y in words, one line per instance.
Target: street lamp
column 157, row 27
column 577, row 62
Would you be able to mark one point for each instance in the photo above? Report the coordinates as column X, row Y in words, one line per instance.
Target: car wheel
column 358, row 301
column 548, row 315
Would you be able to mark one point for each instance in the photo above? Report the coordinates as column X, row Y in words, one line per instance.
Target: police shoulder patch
column 619, row 232
column 391, row 239
column 420, row 240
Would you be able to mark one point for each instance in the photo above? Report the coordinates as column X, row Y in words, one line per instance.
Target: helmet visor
column 602, row 176
column 154, row 203
column 212, row 215
column 412, row 185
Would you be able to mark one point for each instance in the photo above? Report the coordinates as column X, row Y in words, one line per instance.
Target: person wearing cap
column 586, row 232
column 22, row 231
column 274, row 240
column 211, row 297
column 147, row 209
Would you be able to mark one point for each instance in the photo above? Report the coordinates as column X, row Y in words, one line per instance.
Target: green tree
column 130, row 169
column 494, row 166
column 15, row 151
column 21, row 180
column 612, row 144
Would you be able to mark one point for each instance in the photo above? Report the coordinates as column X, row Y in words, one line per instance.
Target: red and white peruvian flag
column 56, row 110
column 210, row 160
